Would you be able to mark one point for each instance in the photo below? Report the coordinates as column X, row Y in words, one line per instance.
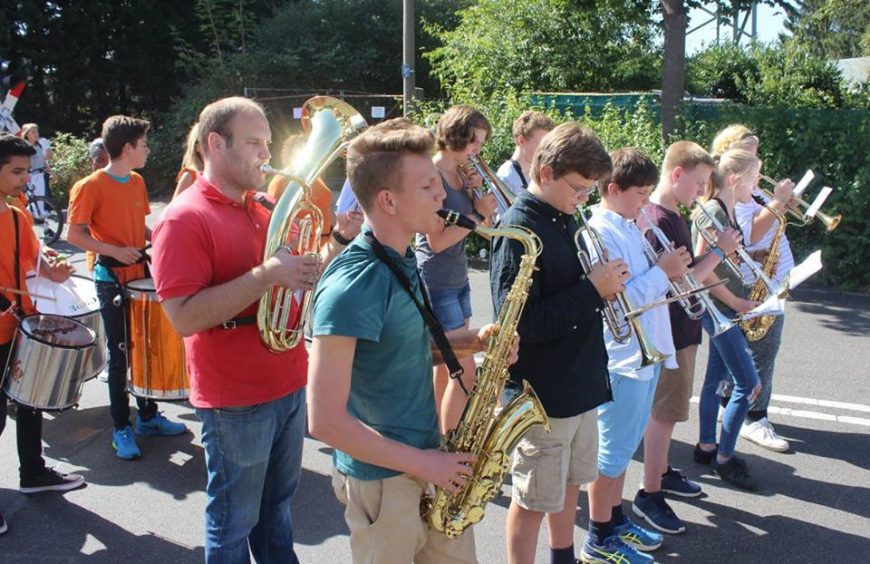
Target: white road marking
column 818, row 415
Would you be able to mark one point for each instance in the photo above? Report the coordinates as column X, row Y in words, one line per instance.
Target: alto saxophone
column 482, row 431
column 755, row 329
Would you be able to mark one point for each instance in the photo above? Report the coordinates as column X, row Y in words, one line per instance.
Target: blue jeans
column 253, row 455
column 764, row 353
column 729, row 358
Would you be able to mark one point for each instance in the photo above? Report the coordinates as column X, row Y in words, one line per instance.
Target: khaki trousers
column 385, row 524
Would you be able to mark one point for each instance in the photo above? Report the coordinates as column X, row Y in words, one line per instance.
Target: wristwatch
column 339, row 239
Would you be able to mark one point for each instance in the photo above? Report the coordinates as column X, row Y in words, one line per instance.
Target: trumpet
column 803, row 216
column 621, row 326
column 773, row 288
column 687, row 284
column 491, row 182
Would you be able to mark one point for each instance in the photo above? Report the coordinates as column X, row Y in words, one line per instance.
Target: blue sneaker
column 613, row 551
column 675, row 482
column 637, row 537
column 653, row 508
column 159, row 425
column 124, row 443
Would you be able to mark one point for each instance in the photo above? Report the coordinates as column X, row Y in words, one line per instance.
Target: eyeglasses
column 583, row 190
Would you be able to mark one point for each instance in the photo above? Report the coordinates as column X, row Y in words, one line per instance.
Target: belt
column 237, row 322
column 37, row 170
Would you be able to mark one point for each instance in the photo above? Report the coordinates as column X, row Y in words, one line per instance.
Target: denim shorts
column 621, row 422
column 452, row 307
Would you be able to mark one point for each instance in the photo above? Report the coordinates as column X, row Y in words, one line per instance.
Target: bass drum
column 48, row 360
column 157, row 361
column 75, row 298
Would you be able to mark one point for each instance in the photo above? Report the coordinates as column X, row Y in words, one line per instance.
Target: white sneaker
column 761, row 433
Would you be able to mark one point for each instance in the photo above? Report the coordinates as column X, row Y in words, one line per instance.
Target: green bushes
column 69, row 164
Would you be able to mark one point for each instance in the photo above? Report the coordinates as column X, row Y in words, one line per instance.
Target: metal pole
column 407, row 54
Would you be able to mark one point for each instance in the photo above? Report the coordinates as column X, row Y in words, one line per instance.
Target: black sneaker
column 736, row 473
column 675, row 482
column 704, row 457
column 51, row 480
column 3, row 526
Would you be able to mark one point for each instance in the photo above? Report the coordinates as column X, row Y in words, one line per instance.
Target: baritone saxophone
column 483, row 431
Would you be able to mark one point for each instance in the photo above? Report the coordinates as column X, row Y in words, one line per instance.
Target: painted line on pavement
column 818, row 415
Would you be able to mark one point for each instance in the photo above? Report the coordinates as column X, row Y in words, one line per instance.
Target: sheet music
column 805, row 269
column 771, row 306
column 803, row 183
column 820, row 199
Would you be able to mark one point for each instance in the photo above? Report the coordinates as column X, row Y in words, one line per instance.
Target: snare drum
column 75, row 298
column 49, row 358
column 157, row 361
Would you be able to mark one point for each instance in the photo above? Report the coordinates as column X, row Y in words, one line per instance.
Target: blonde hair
column 374, row 158
column 192, row 153
column 27, row 128
column 687, row 155
column 738, row 162
column 731, row 138
column 529, row 121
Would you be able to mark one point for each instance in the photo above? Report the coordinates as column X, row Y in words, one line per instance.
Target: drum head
column 141, row 285
column 57, row 331
column 73, row 297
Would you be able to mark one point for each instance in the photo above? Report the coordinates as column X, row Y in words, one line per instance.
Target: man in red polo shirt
column 209, row 272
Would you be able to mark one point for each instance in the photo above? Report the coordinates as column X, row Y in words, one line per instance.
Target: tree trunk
column 674, row 67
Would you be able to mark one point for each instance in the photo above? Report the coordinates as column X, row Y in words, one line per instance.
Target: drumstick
column 20, row 292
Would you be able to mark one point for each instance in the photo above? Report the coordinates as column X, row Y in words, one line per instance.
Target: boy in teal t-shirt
column 370, row 372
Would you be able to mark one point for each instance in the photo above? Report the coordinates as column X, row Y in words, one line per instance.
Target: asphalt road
column 813, row 505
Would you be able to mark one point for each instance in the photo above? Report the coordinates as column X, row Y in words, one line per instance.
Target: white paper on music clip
column 805, row 269
column 771, row 306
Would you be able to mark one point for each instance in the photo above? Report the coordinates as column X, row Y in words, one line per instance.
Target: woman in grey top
column 441, row 255
column 38, row 165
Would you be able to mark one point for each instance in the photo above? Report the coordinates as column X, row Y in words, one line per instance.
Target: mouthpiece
column 265, row 168
column 451, row 217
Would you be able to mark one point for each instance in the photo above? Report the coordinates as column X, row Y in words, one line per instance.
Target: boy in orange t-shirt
column 19, row 253
column 107, row 218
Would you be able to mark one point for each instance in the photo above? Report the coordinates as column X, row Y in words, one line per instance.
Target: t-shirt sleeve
column 81, row 204
column 181, row 257
column 351, row 303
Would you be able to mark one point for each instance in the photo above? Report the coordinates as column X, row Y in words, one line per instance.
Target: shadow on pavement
column 848, row 447
column 83, row 437
column 317, row 514
column 846, row 313
column 49, row 528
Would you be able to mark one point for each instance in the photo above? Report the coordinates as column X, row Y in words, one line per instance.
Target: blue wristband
column 718, row 251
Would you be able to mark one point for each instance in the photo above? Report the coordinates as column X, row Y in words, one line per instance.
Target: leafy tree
column 789, row 74
column 524, row 45
column 837, row 29
column 675, row 20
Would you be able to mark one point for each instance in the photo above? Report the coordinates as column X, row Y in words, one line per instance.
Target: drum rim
column 29, row 335
column 76, row 315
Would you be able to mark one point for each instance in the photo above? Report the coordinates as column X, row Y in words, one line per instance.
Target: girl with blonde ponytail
column 729, row 358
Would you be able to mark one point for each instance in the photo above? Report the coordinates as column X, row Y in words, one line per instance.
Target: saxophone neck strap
column 435, row 329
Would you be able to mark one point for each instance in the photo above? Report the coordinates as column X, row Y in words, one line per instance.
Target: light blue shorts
column 621, row 422
column 452, row 307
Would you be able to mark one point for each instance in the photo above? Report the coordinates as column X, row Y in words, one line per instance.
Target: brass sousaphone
column 330, row 124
